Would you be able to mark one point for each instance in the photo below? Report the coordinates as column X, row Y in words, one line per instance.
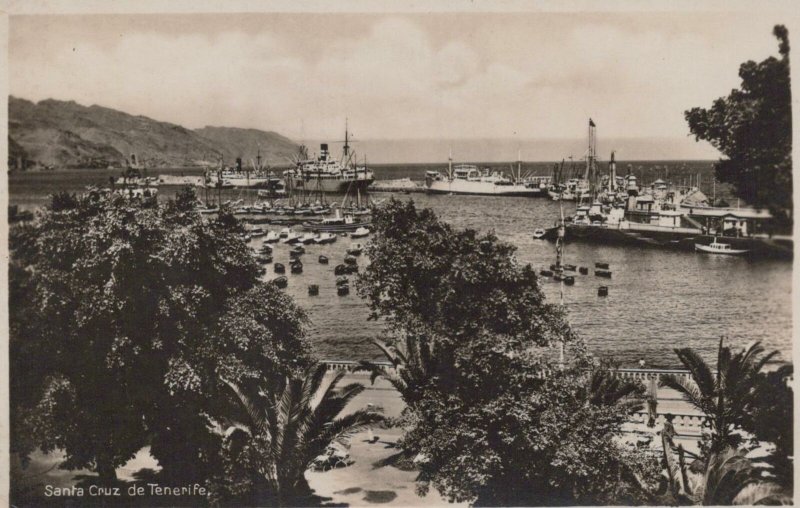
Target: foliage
column 494, row 419
column 725, row 397
column 542, row 442
column 752, row 127
column 425, row 277
column 124, row 314
column 275, row 435
column 411, row 368
column 730, row 478
column 771, row 419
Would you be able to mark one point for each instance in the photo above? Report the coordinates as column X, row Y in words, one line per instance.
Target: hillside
column 245, row 143
column 66, row 134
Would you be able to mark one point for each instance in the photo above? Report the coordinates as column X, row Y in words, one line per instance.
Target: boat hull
column 328, row 185
column 334, row 228
column 481, row 189
column 709, row 250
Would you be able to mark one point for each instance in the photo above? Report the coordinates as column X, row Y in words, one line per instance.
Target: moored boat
column 716, row 247
column 360, row 232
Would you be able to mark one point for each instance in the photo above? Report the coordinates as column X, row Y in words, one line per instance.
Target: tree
column 496, row 420
column 124, row 314
column 725, row 397
column 411, row 368
column 276, row 434
column 752, row 127
column 771, row 419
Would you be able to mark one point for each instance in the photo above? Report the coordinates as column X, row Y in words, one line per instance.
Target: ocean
column 657, row 301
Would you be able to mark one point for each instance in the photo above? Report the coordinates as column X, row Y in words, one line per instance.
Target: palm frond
column 688, row 389
column 254, row 407
column 699, row 370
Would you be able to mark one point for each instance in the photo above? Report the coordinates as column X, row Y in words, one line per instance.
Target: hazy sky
column 527, row 75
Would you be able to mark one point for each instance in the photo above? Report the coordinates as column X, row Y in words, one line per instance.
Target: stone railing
column 629, row 374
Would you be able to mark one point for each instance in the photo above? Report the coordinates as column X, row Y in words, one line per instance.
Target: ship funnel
column 323, row 151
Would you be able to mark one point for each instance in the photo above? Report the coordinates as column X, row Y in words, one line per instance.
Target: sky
column 528, row 75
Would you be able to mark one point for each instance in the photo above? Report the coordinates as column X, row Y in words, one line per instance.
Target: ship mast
column 450, row 165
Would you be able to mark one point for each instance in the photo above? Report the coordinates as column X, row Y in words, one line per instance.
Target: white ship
column 469, row 179
column 326, row 174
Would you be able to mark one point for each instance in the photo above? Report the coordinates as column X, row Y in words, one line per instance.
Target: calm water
column 658, row 300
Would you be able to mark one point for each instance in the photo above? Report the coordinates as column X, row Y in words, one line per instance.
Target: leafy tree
column 124, row 314
column 771, row 419
column 725, row 397
column 496, row 421
column 752, row 127
column 276, row 434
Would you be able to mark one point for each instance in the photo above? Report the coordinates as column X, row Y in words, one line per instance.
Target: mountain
column 66, row 134
column 246, row 143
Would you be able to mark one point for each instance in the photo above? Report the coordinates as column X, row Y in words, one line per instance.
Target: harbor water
column 657, row 300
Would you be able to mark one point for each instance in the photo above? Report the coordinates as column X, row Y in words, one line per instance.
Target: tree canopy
column 125, row 315
column 752, row 127
column 495, row 419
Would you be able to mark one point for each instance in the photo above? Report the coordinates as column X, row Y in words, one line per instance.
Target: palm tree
column 294, row 425
column 412, row 367
column 731, row 478
column 726, row 396
column 606, row 389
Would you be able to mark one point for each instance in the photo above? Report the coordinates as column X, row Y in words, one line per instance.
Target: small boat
column 279, row 268
column 272, row 237
column 343, row 290
column 297, row 267
column 297, row 251
column 570, row 268
column 355, row 249
column 350, row 269
column 546, row 273
column 211, row 209
column 341, row 280
column 569, row 280
column 308, row 238
column 281, row 282
column 604, row 266
column 324, row 238
column 340, row 270
column 603, row 273
column 284, row 232
column 719, row 248
column 350, row 259
column 265, row 260
column 291, row 238
column 539, row 233
column 323, row 260
column 313, row 290
column 584, row 270
column 602, row 291
column 359, row 233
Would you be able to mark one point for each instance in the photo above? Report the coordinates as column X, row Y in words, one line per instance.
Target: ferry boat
column 469, row 179
column 328, row 175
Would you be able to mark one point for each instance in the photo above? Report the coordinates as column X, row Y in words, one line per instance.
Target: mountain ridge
column 62, row 134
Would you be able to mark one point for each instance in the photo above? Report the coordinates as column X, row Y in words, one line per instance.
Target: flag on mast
column 591, row 123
